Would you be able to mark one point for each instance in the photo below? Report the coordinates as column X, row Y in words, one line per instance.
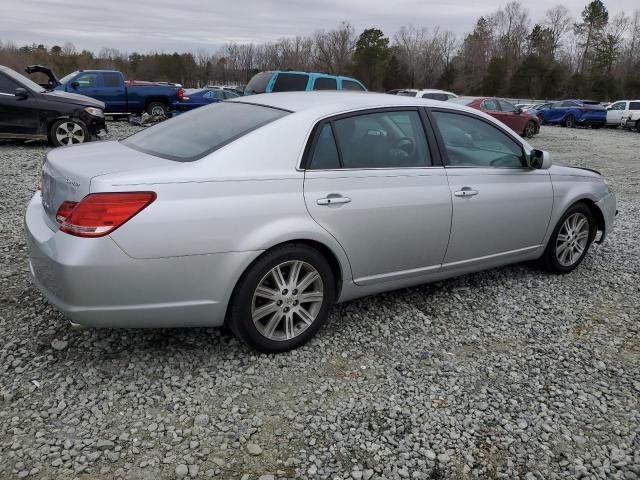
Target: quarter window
column 325, row 84
column 325, row 155
column 472, row 142
column 290, row 82
column 7, row 85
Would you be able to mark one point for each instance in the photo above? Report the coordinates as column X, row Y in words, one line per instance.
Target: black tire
column 240, row 318
column 80, row 132
column 596, row 127
column 154, row 108
column 549, row 259
column 638, row 126
column 570, row 121
column 529, row 129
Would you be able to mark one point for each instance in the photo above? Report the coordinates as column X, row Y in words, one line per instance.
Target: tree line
column 507, row 54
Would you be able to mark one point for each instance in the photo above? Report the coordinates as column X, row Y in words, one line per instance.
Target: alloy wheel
column 530, row 130
column 69, row 133
column 287, row 300
column 572, row 239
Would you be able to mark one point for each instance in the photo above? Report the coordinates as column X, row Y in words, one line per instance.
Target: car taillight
column 65, row 210
column 180, row 94
column 99, row 214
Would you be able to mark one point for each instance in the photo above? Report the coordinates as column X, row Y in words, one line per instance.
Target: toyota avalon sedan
column 261, row 212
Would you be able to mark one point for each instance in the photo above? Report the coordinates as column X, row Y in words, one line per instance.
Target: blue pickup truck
column 119, row 96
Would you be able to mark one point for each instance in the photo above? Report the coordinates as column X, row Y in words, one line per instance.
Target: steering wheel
column 406, row 144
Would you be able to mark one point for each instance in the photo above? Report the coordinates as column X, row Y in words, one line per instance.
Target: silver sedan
column 262, row 212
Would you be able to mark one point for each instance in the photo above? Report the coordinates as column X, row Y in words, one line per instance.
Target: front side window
column 7, row 85
column 325, row 84
column 472, row 142
column 376, row 140
column 290, row 82
column 490, row 104
column 351, row 85
column 507, row 106
column 87, row 80
column 193, row 135
column 436, row 96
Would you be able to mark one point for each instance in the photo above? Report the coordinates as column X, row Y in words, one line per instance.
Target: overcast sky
column 190, row 25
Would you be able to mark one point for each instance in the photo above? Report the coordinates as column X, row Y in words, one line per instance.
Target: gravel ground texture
column 509, row 373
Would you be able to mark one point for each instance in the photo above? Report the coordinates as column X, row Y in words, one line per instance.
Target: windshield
column 462, row 100
column 193, row 135
column 66, row 78
column 258, row 83
column 24, row 81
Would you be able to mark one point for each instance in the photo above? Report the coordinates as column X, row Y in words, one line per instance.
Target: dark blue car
column 199, row 97
column 571, row 113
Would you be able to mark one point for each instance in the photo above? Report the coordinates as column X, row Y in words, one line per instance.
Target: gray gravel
column 510, row 373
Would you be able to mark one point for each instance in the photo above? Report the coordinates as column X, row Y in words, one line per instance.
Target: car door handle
column 465, row 192
column 333, row 200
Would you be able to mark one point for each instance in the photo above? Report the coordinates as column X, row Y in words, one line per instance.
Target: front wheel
column 570, row 240
column 66, row 132
column 529, row 129
column 283, row 299
column 541, row 117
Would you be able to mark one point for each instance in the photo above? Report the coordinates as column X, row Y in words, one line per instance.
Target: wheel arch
column 161, row 99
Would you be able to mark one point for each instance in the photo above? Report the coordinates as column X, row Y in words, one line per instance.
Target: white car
column 428, row 93
column 619, row 110
column 631, row 120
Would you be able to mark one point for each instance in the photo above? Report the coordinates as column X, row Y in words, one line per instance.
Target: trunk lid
column 68, row 171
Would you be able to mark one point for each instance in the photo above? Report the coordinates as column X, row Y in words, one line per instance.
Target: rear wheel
column 638, row 126
column 157, row 109
column 282, row 299
column 66, row 132
column 529, row 129
column 570, row 240
column 570, row 121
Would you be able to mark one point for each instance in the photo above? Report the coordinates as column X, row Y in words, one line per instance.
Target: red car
column 517, row 120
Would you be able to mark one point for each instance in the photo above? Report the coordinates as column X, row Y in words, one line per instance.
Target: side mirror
column 75, row 85
column 21, row 92
column 539, row 159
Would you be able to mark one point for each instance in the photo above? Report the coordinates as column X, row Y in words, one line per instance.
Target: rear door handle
column 465, row 192
column 333, row 200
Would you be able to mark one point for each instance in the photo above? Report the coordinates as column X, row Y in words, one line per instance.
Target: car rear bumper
column 94, row 283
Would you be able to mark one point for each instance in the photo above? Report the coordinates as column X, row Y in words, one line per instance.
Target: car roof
column 330, row 102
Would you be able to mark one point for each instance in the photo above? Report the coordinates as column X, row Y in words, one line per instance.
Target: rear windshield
column 258, row 83
column 193, row 135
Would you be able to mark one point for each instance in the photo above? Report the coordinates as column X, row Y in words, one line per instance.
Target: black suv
column 31, row 111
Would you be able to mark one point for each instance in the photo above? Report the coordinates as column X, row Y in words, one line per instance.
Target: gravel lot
column 510, row 373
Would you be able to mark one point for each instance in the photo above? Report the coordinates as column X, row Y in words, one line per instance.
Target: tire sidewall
column 77, row 121
column 570, row 121
column 550, row 258
column 240, row 320
column 530, row 126
column 150, row 107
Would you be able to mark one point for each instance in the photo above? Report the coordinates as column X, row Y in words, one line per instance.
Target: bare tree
column 559, row 23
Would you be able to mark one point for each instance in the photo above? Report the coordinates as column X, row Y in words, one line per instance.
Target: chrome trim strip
column 386, row 277
column 492, row 256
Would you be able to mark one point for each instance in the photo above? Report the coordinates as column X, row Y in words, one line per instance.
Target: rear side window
column 193, row 135
column 351, row 85
column 490, row 104
column 634, row 105
column 258, row 83
column 290, row 82
column 377, row 140
column 472, row 142
column 325, row 84
column 111, row 80
column 7, row 85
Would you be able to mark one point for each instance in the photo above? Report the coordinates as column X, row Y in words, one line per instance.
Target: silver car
column 263, row 211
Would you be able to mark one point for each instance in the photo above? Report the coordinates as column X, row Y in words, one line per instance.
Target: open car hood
column 53, row 80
